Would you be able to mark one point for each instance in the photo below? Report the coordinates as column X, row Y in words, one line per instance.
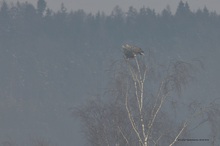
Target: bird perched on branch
column 131, row 51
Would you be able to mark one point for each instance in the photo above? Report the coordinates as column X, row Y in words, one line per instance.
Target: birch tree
column 140, row 110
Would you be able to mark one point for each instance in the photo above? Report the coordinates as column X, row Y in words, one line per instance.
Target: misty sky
column 108, row 5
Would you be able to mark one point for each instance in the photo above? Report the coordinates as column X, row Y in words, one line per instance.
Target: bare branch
column 125, row 138
column 180, row 132
column 132, row 120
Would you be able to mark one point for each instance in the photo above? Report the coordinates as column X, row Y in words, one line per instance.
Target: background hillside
column 52, row 61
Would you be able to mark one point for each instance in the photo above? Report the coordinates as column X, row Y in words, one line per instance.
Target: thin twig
column 180, row 132
column 125, row 138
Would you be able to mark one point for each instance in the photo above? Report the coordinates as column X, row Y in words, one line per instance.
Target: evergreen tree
column 4, row 11
column 41, row 7
column 205, row 12
column 183, row 10
column 166, row 13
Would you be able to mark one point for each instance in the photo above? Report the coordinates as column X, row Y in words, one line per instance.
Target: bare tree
column 40, row 142
column 141, row 107
column 9, row 142
column 33, row 142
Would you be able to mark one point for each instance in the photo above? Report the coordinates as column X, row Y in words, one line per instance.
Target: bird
column 131, row 51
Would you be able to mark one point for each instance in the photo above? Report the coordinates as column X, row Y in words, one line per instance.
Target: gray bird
column 131, row 51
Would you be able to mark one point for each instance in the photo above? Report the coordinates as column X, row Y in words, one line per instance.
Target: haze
column 51, row 63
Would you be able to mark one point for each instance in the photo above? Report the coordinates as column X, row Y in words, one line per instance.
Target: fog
column 52, row 62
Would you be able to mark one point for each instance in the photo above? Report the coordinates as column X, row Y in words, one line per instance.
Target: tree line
column 78, row 28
